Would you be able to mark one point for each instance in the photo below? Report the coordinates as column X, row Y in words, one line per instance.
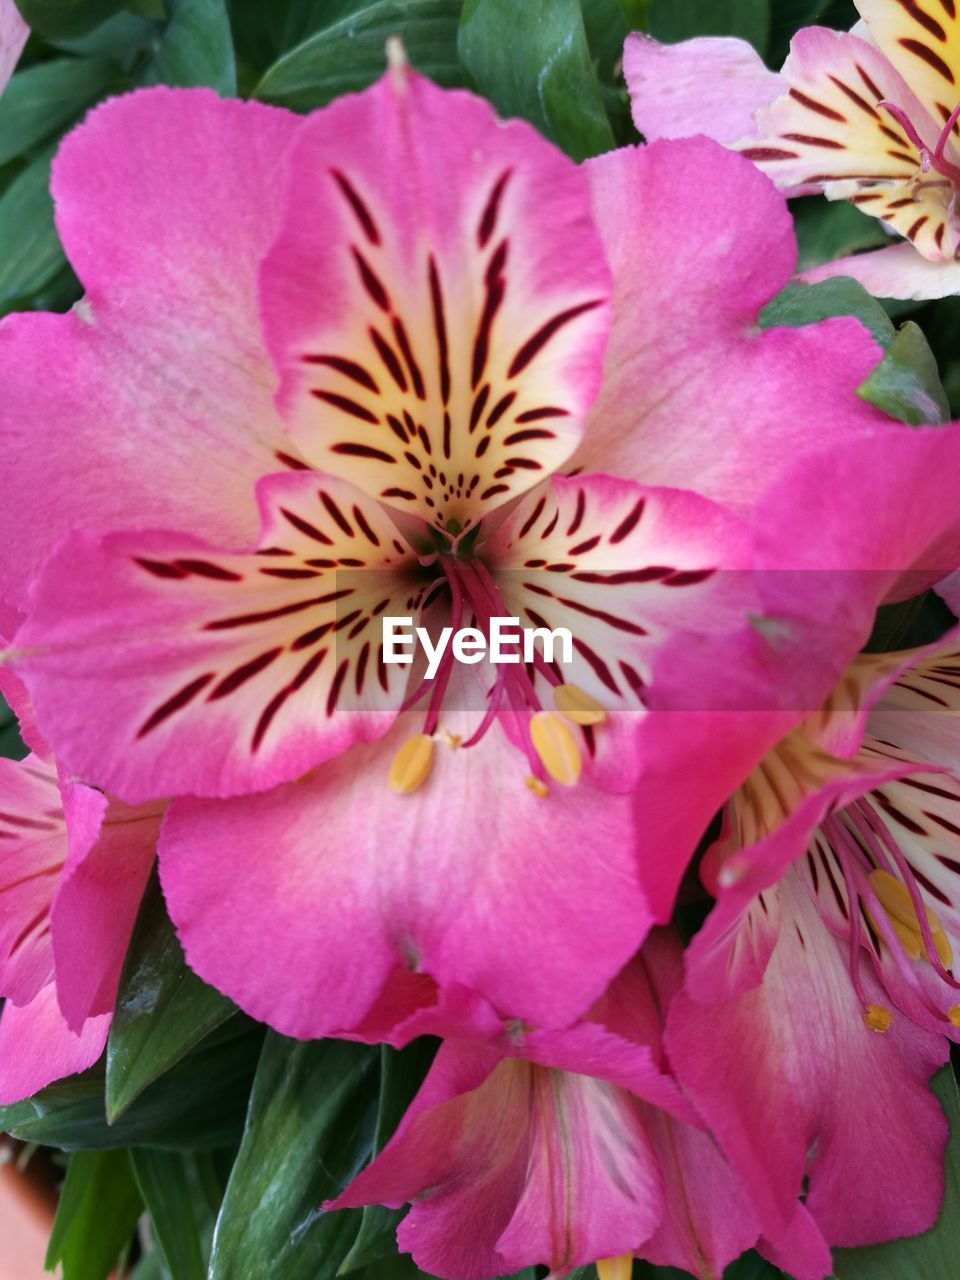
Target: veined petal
column 33, row 849
column 467, row 891
column 828, row 131
column 922, row 40
column 157, row 388
column 111, row 852
column 224, row 671
column 37, row 1047
column 895, row 271
column 793, row 1057
column 710, row 85
column 431, row 297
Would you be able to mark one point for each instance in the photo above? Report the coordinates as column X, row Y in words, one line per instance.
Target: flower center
column 934, row 160
column 546, row 736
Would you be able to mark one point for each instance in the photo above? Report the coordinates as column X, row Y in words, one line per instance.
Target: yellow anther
column 556, row 746
column 538, row 786
column 615, row 1268
column 953, row 1013
column 897, row 903
column 410, row 767
column 877, row 1018
column 577, row 706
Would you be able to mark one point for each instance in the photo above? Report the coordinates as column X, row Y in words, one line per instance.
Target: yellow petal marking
column 577, row 706
column 556, row 746
column 410, row 767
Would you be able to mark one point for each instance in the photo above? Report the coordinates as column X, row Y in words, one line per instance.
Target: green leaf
column 906, row 384
column 199, row 1104
column 935, row 1252
column 827, row 230
column 66, row 17
column 196, row 48
column 11, row 744
column 26, row 221
column 349, row 54
column 401, row 1074
column 675, row 20
column 309, row 1129
column 163, row 1009
column 96, row 1216
column 542, row 72
column 800, row 304
column 41, row 99
column 165, row 1187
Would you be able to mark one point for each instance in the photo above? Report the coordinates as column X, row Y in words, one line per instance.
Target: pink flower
column 561, row 1148
column 837, row 879
column 73, row 867
column 13, row 36
column 866, row 116
column 436, row 309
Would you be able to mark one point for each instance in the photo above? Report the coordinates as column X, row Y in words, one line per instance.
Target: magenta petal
column 848, row 1108
column 694, row 395
column 156, row 389
column 532, row 902
column 112, row 847
column 37, row 1047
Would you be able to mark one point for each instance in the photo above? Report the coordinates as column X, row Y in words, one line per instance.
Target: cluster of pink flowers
column 401, row 357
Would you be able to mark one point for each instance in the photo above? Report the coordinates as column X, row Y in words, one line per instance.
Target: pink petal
column 225, row 672
column 532, row 902
column 897, row 271
column 796, row 1085
column 711, row 86
column 13, row 36
column 33, row 848
column 37, row 1047
column 698, row 242
column 156, row 389
column 111, row 853
column 430, row 296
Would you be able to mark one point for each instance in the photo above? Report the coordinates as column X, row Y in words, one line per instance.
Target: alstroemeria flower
column 13, row 36
column 73, row 867
column 868, row 116
column 562, row 1148
column 436, row 292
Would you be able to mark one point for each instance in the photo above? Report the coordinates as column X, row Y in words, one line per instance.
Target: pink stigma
column 929, row 159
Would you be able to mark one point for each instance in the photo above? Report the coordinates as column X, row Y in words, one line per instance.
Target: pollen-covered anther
column 410, row 767
column 953, row 1013
column 615, row 1268
column 897, row 903
column 556, row 747
column 577, row 706
column 537, row 786
column 877, row 1018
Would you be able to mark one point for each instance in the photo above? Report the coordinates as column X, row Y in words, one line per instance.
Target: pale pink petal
column 33, row 849
column 430, row 296
column 849, row 1108
column 225, row 672
column 37, row 1047
column 694, row 395
column 896, row 271
column 711, row 85
column 151, row 403
column 473, row 879
column 13, row 36
column 112, row 848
